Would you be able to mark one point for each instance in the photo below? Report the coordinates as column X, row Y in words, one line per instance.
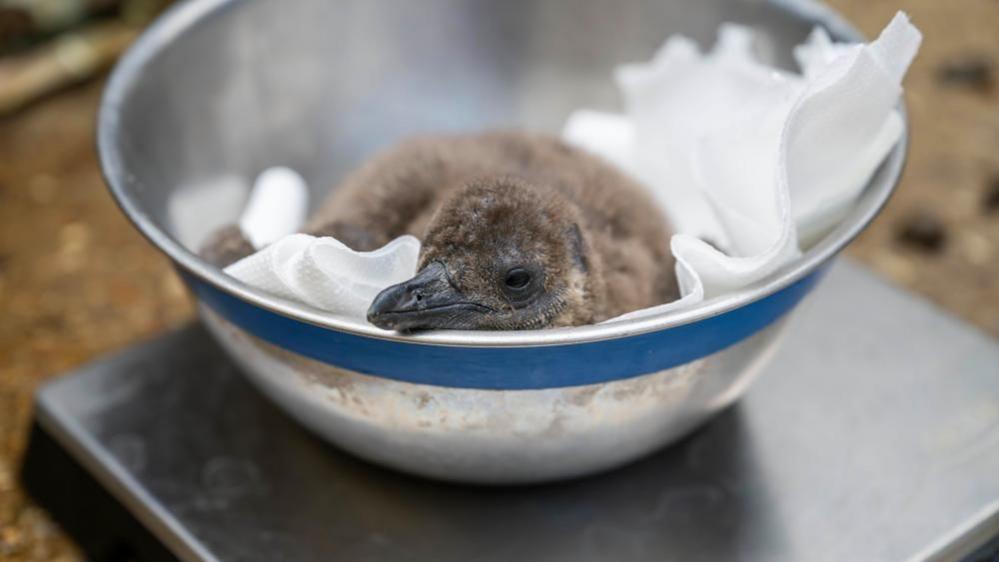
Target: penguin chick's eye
column 520, row 285
column 517, row 279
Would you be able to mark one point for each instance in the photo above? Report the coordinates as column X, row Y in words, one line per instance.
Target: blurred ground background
column 76, row 280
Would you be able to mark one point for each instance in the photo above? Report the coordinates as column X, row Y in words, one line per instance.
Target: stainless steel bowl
column 223, row 88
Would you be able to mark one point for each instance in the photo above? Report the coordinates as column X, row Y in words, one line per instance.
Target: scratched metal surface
column 874, row 436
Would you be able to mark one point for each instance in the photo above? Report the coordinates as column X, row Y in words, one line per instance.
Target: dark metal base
column 102, row 527
column 873, row 436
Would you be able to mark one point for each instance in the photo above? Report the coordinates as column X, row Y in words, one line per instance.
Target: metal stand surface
column 874, row 435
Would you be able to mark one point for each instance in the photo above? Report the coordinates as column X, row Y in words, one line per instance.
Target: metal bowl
column 218, row 88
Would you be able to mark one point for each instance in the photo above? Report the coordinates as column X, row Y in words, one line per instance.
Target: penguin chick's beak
column 426, row 301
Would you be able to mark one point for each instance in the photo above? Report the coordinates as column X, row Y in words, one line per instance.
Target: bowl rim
column 181, row 17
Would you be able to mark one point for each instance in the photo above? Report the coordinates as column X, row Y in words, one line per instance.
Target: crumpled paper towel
column 745, row 156
column 277, row 206
column 318, row 271
column 324, row 273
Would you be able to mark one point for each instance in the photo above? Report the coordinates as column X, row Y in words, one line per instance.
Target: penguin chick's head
column 498, row 255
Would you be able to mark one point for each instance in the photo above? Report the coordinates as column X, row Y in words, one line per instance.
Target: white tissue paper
column 750, row 157
column 323, row 273
column 318, row 271
column 276, row 208
column 744, row 155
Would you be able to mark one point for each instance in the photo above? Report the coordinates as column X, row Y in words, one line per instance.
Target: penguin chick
column 519, row 231
column 499, row 254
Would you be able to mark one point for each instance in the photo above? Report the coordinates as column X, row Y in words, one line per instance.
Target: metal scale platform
column 874, row 435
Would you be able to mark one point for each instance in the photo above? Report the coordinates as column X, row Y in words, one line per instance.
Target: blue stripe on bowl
column 509, row 368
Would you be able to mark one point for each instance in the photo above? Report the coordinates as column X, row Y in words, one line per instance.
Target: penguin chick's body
column 519, row 231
